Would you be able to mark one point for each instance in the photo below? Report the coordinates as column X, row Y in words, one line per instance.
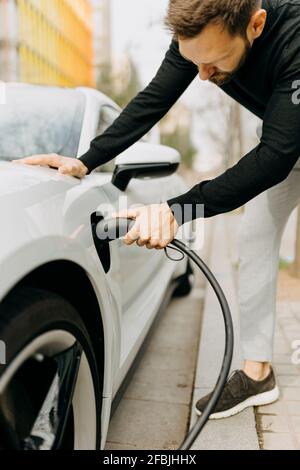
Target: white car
column 73, row 314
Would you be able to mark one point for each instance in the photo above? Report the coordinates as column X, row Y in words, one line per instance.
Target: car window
column 36, row 119
column 107, row 116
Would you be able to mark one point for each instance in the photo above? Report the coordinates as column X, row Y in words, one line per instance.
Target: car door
column 144, row 274
column 138, row 265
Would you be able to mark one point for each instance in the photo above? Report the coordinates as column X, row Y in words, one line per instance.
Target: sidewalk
column 271, row 427
column 155, row 410
column 279, row 424
column 238, row 432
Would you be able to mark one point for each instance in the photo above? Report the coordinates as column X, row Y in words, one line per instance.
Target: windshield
column 36, row 120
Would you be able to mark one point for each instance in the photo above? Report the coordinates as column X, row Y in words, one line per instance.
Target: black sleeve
column 145, row 110
column 265, row 166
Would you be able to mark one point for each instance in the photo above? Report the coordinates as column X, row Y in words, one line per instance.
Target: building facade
column 48, row 42
column 102, row 35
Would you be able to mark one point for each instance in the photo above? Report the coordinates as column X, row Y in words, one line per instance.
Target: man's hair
column 187, row 18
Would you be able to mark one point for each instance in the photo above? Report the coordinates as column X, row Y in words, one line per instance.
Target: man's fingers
column 51, row 159
column 153, row 227
column 153, row 243
column 142, row 241
column 133, row 234
column 31, row 160
column 65, row 165
column 68, row 168
column 63, row 170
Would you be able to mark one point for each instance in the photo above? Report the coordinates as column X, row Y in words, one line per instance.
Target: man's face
column 217, row 54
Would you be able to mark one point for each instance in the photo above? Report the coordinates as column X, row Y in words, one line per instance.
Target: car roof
column 104, row 99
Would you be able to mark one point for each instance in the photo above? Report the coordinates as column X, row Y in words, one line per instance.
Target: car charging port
column 102, row 248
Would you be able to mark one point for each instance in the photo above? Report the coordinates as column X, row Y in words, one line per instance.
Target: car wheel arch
column 71, row 282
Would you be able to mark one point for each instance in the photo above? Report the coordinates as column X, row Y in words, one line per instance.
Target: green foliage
column 180, row 139
column 106, row 85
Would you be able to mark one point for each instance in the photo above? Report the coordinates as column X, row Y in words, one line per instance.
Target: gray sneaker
column 241, row 392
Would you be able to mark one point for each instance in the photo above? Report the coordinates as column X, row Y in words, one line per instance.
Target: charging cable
column 111, row 229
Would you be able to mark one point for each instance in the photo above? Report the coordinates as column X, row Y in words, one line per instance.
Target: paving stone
column 289, row 381
column 278, row 441
column 119, row 446
column 290, row 393
column 293, row 407
column 286, row 369
column 284, row 310
column 276, row 408
column 292, row 321
column 235, row 433
column 173, row 358
column 282, row 359
column 291, row 325
column 168, row 386
column 274, row 423
column 198, row 293
column 185, row 332
column 294, row 306
column 282, row 347
column 279, row 335
column 148, row 425
column 297, row 315
column 291, row 336
column 296, row 423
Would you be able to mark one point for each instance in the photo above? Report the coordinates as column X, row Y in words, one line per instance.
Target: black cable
column 229, row 344
column 111, row 229
column 175, row 249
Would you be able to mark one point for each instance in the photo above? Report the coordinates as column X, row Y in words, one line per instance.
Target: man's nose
column 206, row 71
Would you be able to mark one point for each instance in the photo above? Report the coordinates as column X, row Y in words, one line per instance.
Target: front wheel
column 50, row 396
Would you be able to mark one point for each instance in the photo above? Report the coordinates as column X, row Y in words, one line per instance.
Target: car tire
column 185, row 283
column 50, row 394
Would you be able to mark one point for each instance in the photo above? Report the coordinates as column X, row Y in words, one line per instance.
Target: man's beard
column 221, row 78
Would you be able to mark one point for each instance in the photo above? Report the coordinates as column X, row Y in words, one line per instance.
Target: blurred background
column 117, row 46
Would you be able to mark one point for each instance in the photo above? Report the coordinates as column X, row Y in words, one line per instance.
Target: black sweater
column 268, row 84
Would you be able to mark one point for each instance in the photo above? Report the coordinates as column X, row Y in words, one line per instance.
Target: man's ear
column 256, row 24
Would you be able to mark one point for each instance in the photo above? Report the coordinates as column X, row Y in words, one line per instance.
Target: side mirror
column 145, row 161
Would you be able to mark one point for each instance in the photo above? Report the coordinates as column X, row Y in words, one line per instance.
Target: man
column 251, row 50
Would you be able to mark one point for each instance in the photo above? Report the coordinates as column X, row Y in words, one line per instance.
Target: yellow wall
column 56, row 42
